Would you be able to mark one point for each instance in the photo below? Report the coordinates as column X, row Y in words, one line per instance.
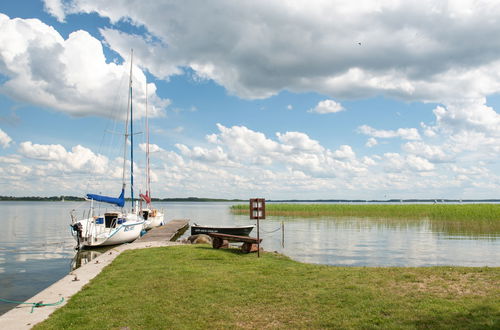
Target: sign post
column 258, row 211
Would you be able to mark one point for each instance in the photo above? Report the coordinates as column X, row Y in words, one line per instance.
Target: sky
column 277, row 99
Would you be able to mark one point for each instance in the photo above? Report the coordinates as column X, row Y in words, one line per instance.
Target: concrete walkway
column 21, row 317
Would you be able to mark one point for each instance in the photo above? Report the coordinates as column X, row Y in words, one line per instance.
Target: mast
column 148, row 166
column 129, row 116
column 131, row 135
column 126, row 135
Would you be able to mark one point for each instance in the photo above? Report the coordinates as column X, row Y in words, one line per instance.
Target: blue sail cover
column 120, row 201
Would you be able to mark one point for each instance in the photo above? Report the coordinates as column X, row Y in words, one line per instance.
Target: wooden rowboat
column 230, row 230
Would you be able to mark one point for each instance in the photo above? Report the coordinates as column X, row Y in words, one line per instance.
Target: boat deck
column 168, row 232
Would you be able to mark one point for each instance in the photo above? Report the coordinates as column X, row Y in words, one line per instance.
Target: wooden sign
column 257, row 208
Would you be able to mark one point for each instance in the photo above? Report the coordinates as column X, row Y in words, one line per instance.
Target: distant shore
column 81, row 199
column 201, row 199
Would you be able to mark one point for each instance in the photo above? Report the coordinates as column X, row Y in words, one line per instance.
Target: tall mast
column 148, row 166
column 126, row 135
column 131, row 135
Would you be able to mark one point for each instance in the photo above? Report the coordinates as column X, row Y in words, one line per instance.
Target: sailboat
column 117, row 226
column 153, row 217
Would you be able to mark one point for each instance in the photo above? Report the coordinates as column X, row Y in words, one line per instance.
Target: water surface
column 36, row 247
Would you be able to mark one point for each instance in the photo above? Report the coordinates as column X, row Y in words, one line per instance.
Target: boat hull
column 153, row 218
column 235, row 230
column 92, row 233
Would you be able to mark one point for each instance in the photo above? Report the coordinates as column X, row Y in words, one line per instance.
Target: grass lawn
column 197, row 287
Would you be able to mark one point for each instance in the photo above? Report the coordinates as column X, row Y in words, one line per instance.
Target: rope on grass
column 34, row 304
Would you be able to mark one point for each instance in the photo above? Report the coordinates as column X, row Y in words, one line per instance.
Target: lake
column 36, row 247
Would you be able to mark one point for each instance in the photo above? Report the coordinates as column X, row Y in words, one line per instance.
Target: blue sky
column 324, row 100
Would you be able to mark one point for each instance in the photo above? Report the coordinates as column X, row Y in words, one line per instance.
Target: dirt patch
column 449, row 284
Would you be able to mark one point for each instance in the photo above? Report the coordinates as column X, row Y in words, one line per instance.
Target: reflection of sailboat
column 118, row 226
column 153, row 217
column 83, row 257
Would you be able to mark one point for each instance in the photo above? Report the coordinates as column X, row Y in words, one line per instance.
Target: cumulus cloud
column 69, row 75
column 78, row 159
column 240, row 162
column 371, row 142
column 294, row 151
column 431, row 152
column 327, row 106
column 400, row 163
column 55, row 8
column 297, row 141
column 403, row 133
column 216, row 155
column 5, row 139
column 411, row 49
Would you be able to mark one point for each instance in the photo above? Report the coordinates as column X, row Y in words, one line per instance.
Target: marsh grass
column 487, row 212
column 197, row 287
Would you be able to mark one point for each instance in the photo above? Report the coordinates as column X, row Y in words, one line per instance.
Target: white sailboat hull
column 154, row 218
column 102, row 231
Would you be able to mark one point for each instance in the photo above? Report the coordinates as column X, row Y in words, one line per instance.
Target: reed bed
column 485, row 212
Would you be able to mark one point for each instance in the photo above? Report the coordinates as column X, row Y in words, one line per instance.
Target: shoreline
column 20, row 316
column 188, row 286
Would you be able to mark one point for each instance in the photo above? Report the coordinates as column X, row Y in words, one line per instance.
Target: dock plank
column 166, row 232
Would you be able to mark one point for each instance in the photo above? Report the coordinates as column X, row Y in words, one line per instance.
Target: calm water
column 36, row 247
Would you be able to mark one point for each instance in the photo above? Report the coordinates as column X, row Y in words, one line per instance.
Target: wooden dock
column 167, row 232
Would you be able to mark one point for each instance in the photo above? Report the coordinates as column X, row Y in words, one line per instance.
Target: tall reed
column 489, row 212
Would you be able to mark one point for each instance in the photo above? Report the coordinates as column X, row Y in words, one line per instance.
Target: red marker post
column 258, row 211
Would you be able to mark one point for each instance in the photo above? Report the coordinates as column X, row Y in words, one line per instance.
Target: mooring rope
column 34, row 304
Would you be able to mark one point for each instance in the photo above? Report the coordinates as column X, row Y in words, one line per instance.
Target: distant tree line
column 79, row 199
column 42, row 199
column 197, row 199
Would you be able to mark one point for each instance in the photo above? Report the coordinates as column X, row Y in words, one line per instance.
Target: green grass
column 412, row 211
column 197, row 287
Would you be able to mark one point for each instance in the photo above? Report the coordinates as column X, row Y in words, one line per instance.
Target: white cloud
column 5, row 139
column 401, row 163
column 78, row 159
column 327, row 106
column 69, row 75
column 216, row 155
column 344, row 152
column 297, row 141
column 241, row 162
column 55, row 8
column 403, row 133
column 10, row 159
column 471, row 115
column 371, row 142
column 244, row 144
column 411, row 49
column 432, row 152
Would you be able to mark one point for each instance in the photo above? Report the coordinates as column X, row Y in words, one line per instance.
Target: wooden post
column 258, row 211
column 282, row 235
column 258, row 236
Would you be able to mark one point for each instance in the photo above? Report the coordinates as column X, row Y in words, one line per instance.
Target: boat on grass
column 244, row 230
